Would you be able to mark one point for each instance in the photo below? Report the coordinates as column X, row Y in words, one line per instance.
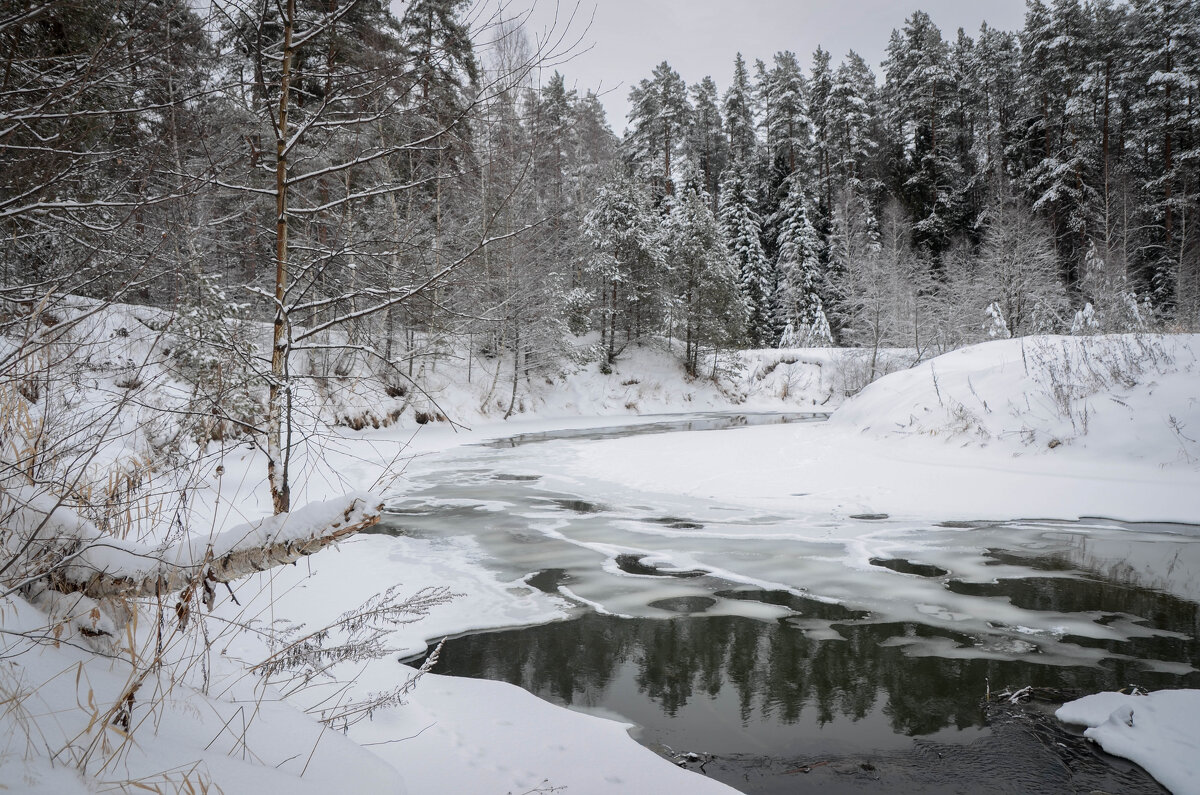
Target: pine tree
column 820, row 90
column 1163, row 33
column 852, row 115
column 1060, row 183
column 964, row 116
column 444, row 69
column 658, row 119
column 552, row 130
column 991, row 75
column 94, row 100
column 1110, row 76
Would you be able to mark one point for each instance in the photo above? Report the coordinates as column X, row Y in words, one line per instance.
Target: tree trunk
column 512, row 399
column 278, row 540
column 279, row 400
column 1104, row 147
column 612, row 326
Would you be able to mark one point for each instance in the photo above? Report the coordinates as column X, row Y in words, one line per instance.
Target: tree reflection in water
column 777, row 673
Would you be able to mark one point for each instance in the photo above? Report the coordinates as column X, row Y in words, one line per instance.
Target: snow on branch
column 73, row 556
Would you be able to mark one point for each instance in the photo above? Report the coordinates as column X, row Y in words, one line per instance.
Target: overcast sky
column 629, row 38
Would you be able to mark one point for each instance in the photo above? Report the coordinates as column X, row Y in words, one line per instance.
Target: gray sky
column 700, row 37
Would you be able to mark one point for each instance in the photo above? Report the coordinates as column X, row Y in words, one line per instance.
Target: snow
column 130, row 559
column 495, row 737
column 1160, row 731
column 1049, row 428
column 179, row 736
column 1053, row 427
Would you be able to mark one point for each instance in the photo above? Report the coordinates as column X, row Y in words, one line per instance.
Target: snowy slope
column 1131, row 397
column 987, row 432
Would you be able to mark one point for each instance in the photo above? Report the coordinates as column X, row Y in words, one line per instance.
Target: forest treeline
column 394, row 185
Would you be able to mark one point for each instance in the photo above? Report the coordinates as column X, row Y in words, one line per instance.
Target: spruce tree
column 787, row 126
column 742, row 228
column 801, row 278
column 703, row 278
column 738, row 108
column 920, row 90
column 707, row 146
column 627, row 260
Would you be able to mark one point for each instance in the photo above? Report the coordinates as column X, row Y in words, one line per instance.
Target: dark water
column 712, row 421
column 757, row 700
column 791, row 653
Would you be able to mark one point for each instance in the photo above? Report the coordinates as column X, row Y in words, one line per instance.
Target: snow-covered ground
column 1040, row 428
column 1045, row 427
column 1158, row 730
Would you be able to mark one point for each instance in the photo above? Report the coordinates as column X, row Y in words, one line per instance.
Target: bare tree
column 1013, row 287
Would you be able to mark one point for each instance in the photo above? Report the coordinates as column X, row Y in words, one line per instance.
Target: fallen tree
column 69, row 567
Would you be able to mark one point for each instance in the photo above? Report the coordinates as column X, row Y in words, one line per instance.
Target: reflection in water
column 908, row 567
column 768, row 639
column 714, row 421
column 778, row 675
column 1109, row 604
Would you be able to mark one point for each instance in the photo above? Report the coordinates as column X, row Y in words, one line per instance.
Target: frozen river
column 804, row 649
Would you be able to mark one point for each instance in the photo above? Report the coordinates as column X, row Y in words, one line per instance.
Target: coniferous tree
column 742, row 228
column 627, row 260
column 993, row 70
column 658, row 119
column 1163, row 83
column 93, row 100
column 852, row 114
column 443, row 76
column 920, row 90
column 738, row 109
column 964, row 115
column 704, row 281
column 1060, row 182
column 1109, row 54
column 801, row 277
column 787, row 126
column 820, row 89
column 707, row 146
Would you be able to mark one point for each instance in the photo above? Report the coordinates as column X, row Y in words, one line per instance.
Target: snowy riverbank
column 1057, row 428
column 966, row 436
